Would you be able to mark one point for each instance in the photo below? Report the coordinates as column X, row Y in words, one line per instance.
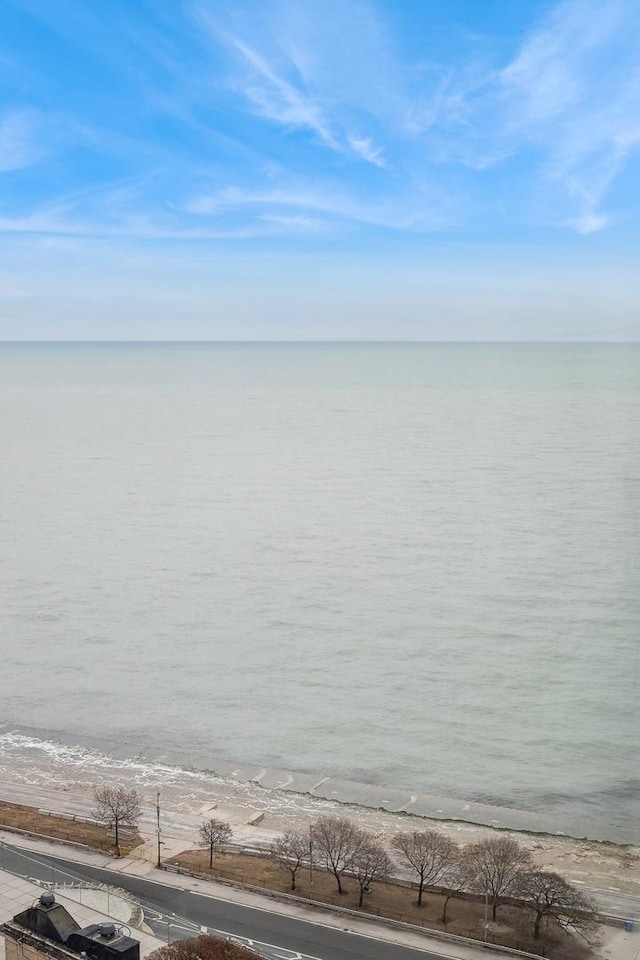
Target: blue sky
column 317, row 169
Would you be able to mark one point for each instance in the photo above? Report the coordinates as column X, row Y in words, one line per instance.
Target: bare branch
column 337, row 842
column 370, row 863
column 429, row 853
column 552, row 898
column 205, row 947
column 498, row 864
column 291, row 850
column 214, row 834
column 116, row 806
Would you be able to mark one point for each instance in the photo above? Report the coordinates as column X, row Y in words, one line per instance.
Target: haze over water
column 409, row 564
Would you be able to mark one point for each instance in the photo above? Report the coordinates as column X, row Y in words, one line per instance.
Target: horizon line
column 311, row 342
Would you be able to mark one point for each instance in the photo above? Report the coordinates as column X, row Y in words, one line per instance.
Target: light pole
column 158, row 864
column 486, row 909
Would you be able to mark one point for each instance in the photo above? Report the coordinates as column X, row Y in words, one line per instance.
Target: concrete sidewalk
column 618, row 944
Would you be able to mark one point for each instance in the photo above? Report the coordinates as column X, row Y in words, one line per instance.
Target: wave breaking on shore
column 53, row 760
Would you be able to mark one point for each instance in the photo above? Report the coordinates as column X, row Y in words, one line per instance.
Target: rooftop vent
column 48, row 918
column 104, row 941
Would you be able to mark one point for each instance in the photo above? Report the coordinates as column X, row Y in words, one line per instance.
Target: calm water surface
column 414, row 565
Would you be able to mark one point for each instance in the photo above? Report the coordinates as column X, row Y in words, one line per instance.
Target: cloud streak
column 278, row 100
column 573, row 92
column 21, row 139
column 277, row 89
column 411, row 212
column 282, row 124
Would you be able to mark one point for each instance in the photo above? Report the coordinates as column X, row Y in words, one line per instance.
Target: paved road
column 180, row 913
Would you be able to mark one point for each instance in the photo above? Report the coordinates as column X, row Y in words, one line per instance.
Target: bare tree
column 117, row 807
column 498, row 864
column 213, row 834
column 370, row 863
column 291, row 850
column 551, row 897
column 204, row 947
column 337, row 842
column 429, row 853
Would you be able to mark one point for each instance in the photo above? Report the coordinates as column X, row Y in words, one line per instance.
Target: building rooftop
column 69, row 918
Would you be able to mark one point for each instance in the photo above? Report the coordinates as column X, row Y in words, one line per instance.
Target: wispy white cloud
column 134, row 227
column 298, row 223
column 589, row 222
column 29, row 136
column 414, row 211
column 564, row 111
column 279, row 87
column 22, row 142
column 112, row 213
column 279, row 100
column 548, row 76
column 365, row 148
column 351, row 131
column 573, row 93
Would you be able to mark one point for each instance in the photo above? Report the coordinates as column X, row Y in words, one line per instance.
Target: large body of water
column 409, row 564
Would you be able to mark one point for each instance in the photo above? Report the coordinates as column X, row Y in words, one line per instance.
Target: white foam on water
column 45, row 763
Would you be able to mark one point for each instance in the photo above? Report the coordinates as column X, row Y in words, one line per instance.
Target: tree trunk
column 210, row 856
column 536, row 926
column 360, row 901
column 293, row 881
column 444, row 909
column 495, row 907
column 117, row 841
column 337, row 876
column 420, row 889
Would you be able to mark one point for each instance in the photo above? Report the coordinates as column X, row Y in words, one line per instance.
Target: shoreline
column 28, row 754
column 32, row 772
column 433, row 807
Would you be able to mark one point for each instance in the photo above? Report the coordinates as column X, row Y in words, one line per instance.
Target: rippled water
column 415, row 565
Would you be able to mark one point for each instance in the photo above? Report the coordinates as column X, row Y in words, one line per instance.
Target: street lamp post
column 159, row 863
column 486, row 910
